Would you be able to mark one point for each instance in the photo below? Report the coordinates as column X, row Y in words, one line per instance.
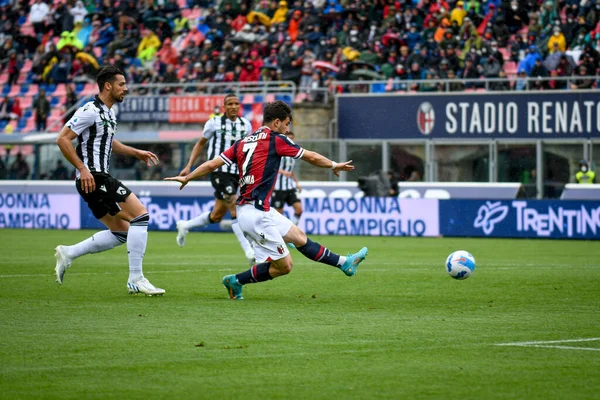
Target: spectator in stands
column 3, row 170
column 503, row 85
column 41, row 107
column 148, row 46
column 539, row 71
column 71, row 101
column 14, row 67
column 37, row 16
column 78, row 12
column 60, row 173
column 5, row 109
column 557, row 42
column 19, row 168
column 516, row 17
column 582, row 83
column 17, row 111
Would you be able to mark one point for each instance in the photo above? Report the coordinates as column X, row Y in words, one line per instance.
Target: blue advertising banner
column 164, row 212
column 526, row 115
column 521, row 219
column 143, row 109
column 368, row 216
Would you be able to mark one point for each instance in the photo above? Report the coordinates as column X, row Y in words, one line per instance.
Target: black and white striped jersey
column 95, row 125
column 222, row 133
column 284, row 182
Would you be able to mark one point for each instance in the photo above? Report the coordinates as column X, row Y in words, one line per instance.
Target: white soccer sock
column 198, row 222
column 341, row 261
column 241, row 238
column 99, row 241
column 136, row 245
column 296, row 219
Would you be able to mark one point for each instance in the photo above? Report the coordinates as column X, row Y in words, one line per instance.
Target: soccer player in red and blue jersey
column 258, row 157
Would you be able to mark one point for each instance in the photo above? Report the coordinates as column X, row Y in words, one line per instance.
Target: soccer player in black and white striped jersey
column 94, row 126
column 220, row 132
column 287, row 186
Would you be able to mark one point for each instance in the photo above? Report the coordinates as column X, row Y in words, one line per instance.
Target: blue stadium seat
column 51, row 88
column 258, row 99
column 24, row 88
column 378, row 88
column 54, row 101
column 79, row 87
column 3, row 124
column 5, row 90
column 28, row 113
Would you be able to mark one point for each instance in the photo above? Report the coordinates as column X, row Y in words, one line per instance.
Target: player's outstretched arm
column 321, row 161
column 204, row 169
column 196, row 151
column 146, row 156
column 65, row 144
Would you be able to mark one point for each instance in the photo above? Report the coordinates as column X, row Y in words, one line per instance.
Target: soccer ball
column 460, row 264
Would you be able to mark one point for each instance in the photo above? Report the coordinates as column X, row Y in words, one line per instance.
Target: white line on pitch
column 540, row 342
column 561, row 347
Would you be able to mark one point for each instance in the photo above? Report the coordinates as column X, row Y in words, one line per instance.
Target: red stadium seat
column 33, row 90
column 510, row 67
column 14, row 90
column 26, row 101
column 505, row 53
column 61, row 91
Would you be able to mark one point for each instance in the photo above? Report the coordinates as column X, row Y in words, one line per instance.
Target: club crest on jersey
column 280, row 249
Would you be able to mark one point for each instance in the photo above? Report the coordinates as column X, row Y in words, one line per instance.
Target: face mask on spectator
column 514, row 7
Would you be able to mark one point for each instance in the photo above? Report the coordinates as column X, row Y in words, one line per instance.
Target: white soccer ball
column 460, row 264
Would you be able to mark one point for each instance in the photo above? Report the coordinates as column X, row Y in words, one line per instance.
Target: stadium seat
column 26, row 102
column 33, row 90
column 248, row 99
column 5, row 90
column 61, row 90
column 3, row 77
column 505, row 53
column 300, row 97
column 14, row 90
column 30, row 126
column 79, row 87
column 54, row 101
column 510, row 67
column 269, row 98
column 24, row 89
column 50, row 88
column 26, row 66
column 3, row 124
column 182, row 4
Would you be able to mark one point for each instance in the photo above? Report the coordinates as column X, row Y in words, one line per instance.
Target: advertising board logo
column 425, row 118
column 489, row 215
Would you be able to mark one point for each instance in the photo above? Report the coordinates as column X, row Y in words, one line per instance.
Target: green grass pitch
column 400, row 329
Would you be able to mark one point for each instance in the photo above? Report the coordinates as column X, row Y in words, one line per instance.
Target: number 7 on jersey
column 248, row 149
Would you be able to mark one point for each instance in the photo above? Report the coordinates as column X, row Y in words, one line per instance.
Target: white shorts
column 265, row 230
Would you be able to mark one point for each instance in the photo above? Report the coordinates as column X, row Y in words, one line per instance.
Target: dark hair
column 107, row 74
column 276, row 110
column 229, row 95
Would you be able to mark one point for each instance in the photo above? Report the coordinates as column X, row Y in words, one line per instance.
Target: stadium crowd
column 311, row 42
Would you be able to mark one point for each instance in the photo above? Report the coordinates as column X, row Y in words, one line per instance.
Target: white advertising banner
column 370, row 216
column 39, row 211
